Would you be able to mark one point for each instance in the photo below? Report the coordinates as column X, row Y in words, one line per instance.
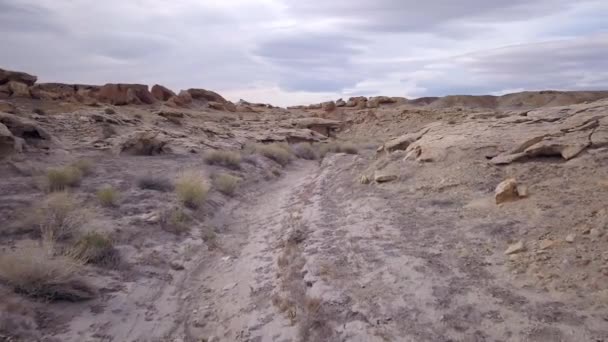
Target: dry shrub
column 305, row 151
column 226, row 183
column 108, row 196
column 149, row 182
column 35, row 271
column 337, row 147
column 84, row 165
column 60, row 179
column 280, row 153
column 96, row 248
column 175, row 220
column 229, row 159
column 191, row 189
column 60, row 216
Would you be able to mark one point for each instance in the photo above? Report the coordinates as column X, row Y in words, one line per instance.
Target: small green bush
column 229, row 159
column 277, row 152
column 60, row 216
column 226, row 183
column 96, row 248
column 191, row 189
column 175, row 221
column 108, row 196
column 60, row 179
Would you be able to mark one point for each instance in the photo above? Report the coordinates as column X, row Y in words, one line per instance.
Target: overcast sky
column 303, row 51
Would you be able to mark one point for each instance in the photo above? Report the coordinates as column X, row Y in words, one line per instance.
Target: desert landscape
column 136, row 213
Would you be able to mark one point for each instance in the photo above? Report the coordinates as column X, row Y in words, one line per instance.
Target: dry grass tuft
column 280, row 153
column 175, row 221
column 96, row 248
column 60, row 179
column 230, row 159
column 191, row 189
column 35, row 271
column 337, row 147
column 149, row 182
column 226, row 183
column 108, row 196
column 305, row 151
column 60, row 216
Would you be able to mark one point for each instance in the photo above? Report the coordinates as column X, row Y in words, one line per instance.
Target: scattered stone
column 595, row 233
column 177, row 266
column 546, row 244
column 570, row 238
column 383, row 177
column 522, row 191
column 515, row 248
column 506, row 191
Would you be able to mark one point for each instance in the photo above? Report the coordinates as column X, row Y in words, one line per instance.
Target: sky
column 289, row 52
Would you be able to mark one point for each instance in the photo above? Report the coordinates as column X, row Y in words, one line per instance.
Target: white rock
column 570, row 238
column 515, row 248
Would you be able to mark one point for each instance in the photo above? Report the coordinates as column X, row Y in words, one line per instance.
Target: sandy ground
column 315, row 256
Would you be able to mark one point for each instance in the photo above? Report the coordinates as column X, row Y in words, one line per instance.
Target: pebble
column 570, row 238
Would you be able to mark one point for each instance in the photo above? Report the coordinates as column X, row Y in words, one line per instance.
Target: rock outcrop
column 124, row 94
column 7, row 76
column 206, row 95
column 162, row 93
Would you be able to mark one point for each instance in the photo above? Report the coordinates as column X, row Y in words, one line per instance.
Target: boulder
column 358, row 101
column 375, row 102
column 7, row 76
column 340, row 103
column 8, row 107
column 216, row 105
column 25, row 130
column 123, row 94
column 7, row 141
column 19, row 89
column 329, row 106
column 207, row 95
column 182, row 100
column 506, row 191
column 143, row 143
column 402, row 142
column 383, row 177
column 162, row 93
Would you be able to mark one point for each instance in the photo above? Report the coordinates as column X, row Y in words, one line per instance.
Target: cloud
column 289, row 51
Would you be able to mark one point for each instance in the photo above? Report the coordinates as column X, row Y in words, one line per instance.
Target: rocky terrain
column 136, row 213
